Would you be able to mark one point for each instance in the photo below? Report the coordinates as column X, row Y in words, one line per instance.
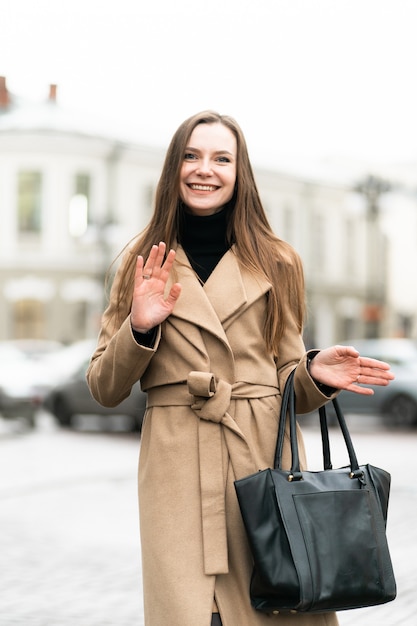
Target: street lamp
column 372, row 188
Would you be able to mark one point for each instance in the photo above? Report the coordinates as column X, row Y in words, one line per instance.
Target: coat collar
column 229, row 289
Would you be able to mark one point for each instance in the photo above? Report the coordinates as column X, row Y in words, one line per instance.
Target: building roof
column 48, row 115
column 22, row 114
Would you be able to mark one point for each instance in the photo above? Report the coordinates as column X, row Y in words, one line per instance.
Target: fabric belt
column 210, row 398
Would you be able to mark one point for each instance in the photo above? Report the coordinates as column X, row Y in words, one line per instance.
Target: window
column 29, row 191
column 78, row 214
column 82, row 185
column 29, row 319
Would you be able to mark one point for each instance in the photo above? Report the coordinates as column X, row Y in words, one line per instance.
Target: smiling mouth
column 203, row 187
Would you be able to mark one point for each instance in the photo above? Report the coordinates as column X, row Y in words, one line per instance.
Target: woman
column 212, row 329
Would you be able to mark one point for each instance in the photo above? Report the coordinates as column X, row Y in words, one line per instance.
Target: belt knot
column 212, row 396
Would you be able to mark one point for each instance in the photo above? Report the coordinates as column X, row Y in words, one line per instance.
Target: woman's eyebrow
column 215, row 152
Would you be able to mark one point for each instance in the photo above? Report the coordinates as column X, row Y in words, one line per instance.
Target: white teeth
column 203, row 187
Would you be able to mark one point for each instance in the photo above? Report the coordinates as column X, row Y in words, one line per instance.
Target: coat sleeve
column 292, row 355
column 119, row 360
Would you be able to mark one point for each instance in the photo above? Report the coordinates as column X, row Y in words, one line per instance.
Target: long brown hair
column 255, row 245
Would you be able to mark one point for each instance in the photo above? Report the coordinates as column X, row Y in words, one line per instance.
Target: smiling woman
column 206, row 310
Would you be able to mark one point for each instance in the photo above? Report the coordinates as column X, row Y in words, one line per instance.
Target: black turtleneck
column 203, row 238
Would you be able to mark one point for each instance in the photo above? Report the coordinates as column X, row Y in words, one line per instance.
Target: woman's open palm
column 149, row 305
column 342, row 367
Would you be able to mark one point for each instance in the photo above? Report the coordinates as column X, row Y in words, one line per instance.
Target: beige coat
column 213, row 405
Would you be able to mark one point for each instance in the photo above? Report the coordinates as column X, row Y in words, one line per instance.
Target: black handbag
column 317, row 539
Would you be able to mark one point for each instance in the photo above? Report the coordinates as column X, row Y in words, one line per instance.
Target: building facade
column 71, row 197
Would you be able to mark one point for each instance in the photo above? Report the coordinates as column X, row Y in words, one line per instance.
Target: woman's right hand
column 149, row 306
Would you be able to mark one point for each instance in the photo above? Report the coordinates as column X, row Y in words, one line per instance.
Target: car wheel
column 62, row 411
column 137, row 424
column 401, row 411
column 31, row 419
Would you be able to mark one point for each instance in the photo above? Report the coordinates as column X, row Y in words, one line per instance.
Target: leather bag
column 318, row 539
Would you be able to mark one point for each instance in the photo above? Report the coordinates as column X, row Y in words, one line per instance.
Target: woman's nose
column 204, row 167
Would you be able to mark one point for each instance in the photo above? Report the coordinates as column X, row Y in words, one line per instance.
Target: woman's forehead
column 214, row 136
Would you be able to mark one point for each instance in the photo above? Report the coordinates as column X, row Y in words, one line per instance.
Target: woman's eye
column 223, row 159
column 189, row 156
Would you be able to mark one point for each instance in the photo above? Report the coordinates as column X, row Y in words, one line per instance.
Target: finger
column 344, row 351
column 374, row 363
column 376, row 373
column 148, row 267
column 382, row 381
column 167, row 266
column 139, row 270
column 174, row 294
column 155, row 260
column 364, row 391
column 159, row 257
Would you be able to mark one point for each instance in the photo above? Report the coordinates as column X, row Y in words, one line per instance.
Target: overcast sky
column 304, row 78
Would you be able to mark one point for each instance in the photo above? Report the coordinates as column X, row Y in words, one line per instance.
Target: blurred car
column 396, row 403
column 34, row 348
column 59, row 365
column 19, row 377
column 70, row 395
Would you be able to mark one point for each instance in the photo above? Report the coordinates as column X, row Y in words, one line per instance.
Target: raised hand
column 149, row 305
column 343, row 367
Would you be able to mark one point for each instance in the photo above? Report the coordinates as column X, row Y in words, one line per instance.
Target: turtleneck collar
column 203, row 238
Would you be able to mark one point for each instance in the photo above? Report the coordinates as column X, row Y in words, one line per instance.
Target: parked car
column 60, row 365
column 34, row 348
column 70, row 396
column 19, row 376
column 396, row 403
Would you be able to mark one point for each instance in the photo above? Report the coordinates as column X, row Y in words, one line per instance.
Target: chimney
column 52, row 93
column 4, row 93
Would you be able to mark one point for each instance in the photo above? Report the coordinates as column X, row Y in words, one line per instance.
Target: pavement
column 69, row 537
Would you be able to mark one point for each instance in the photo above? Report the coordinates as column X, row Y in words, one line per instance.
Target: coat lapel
column 224, row 296
column 231, row 288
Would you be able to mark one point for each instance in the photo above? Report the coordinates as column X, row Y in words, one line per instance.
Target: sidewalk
column 69, row 537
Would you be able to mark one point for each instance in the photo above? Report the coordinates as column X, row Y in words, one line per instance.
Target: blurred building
column 72, row 195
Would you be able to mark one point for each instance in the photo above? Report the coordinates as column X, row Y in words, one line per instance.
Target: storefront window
column 28, row 319
column 78, row 214
column 29, row 190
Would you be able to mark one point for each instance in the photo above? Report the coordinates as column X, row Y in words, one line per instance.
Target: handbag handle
column 288, row 407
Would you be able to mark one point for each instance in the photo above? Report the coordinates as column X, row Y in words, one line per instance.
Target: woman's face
column 208, row 172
